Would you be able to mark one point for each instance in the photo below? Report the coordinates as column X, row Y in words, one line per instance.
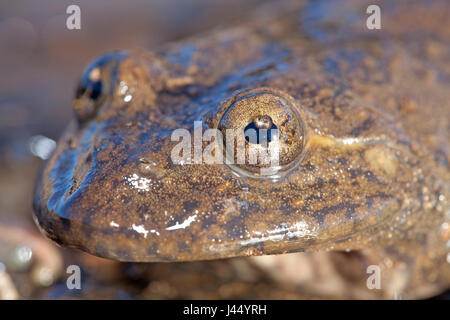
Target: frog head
column 130, row 180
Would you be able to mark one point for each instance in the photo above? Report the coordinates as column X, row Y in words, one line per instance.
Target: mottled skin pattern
column 374, row 176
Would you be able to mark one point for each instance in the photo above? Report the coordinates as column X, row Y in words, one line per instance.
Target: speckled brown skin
column 374, row 176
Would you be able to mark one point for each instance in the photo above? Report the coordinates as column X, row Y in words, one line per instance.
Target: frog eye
column 90, row 84
column 263, row 133
column 94, row 86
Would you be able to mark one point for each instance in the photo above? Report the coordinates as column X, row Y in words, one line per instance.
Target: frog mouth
column 182, row 239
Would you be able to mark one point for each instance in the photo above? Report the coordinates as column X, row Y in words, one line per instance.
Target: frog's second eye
column 90, row 85
column 263, row 133
column 94, row 86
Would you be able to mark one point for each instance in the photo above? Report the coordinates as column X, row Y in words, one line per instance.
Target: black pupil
column 260, row 128
column 96, row 89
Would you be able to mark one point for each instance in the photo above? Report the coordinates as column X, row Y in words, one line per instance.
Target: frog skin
column 370, row 175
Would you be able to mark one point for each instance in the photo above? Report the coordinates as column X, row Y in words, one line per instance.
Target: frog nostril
column 260, row 130
column 80, row 91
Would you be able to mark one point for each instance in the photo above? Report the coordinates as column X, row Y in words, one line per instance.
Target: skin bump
column 382, row 159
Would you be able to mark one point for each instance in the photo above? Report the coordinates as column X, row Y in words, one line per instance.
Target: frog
column 362, row 118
